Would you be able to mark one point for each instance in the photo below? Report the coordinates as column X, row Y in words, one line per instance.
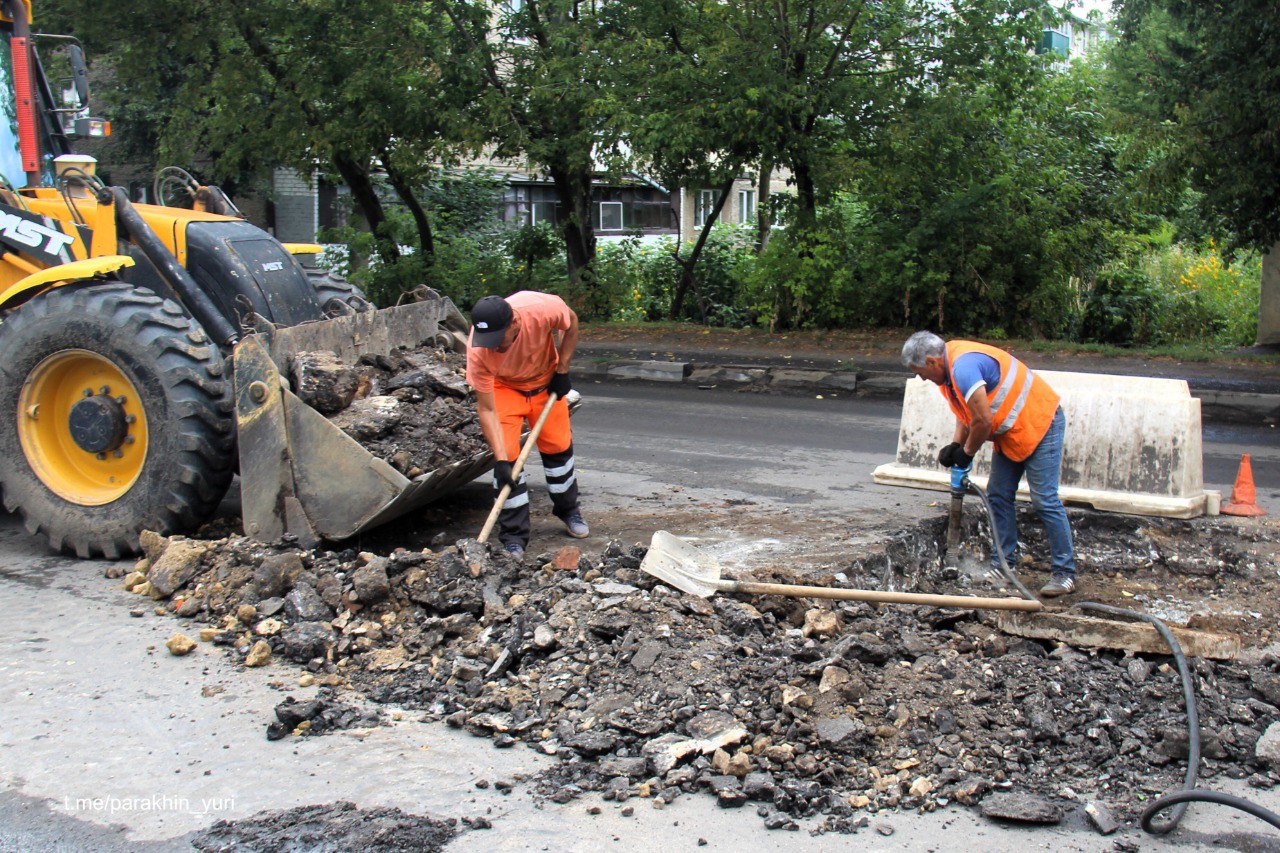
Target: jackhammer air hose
column 1178, row 800
column 1193, row 718
column 1005, row 569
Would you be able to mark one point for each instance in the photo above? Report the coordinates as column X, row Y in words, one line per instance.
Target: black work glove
column 947, row 454
column 502, row 474
column 559, row 385
column 959, row 458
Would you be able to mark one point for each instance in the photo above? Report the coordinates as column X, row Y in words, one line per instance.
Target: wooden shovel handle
column 877, row 595
column 516, row 469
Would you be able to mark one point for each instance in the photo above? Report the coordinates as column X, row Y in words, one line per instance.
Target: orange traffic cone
column 1243, row 500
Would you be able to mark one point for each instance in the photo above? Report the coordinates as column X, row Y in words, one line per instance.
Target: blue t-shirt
column 973, row 369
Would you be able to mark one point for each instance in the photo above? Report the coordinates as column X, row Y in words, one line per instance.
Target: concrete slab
column 846, row 380
column 1244, row 406
column 881, row 382
column 1094, row 633
column 797, row 378
column 588, row 368
column 729, row 374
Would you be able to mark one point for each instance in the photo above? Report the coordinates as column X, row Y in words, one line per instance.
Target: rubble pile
column 333, row 828
column 799, row 709
column 1210, row 573
column 411, row 409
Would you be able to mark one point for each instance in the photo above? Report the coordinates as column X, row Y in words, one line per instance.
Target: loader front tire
column 337, row 296
column 115, row 417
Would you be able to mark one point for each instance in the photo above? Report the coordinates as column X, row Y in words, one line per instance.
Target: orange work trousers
column 515, row 409
column 555, row 444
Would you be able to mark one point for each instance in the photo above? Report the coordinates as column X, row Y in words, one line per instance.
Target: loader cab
column 35, row 127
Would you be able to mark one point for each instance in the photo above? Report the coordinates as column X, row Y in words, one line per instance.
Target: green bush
column 1174, row 294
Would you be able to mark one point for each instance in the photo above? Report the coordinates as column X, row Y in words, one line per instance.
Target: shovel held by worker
column 517, row 468
column 678, row 563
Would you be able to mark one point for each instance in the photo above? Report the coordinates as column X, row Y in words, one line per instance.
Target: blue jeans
column 1041, row 468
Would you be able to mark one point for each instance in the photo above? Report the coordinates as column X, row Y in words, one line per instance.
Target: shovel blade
column 678, row 563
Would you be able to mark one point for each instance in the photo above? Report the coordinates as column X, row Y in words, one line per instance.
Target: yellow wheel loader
column 142, row 347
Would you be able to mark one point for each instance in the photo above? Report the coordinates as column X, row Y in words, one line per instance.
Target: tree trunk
column 762, row 206
column 573, row 189
column 806, row 194
column 687, row 264
column 426, row 241
column 356, row 176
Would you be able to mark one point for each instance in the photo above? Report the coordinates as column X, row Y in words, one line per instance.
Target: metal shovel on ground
column 680, row 564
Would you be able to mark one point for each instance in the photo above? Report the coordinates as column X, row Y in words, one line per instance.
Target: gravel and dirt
column 839, row 712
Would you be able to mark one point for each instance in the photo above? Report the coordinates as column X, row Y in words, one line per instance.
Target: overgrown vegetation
column 943, row 174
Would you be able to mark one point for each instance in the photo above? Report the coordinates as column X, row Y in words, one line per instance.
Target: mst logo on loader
column 34, row 235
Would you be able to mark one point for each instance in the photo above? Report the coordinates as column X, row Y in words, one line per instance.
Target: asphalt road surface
column 109, row 743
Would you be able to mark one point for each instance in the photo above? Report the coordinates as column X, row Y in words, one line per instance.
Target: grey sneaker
column 1060, row 584
column 515, row 549
column 576, row 527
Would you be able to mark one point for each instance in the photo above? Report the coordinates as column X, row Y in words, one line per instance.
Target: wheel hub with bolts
column 97, row 423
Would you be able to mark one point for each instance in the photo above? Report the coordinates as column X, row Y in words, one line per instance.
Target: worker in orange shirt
column 518, row 354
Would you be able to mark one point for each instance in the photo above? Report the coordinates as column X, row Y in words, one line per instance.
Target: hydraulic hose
column 1178, row 800
column 1193, row 715
column 995, row 541
column 197, row 302
column 1199, row 796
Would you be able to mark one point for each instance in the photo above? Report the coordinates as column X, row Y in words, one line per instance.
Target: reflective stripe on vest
column 1015, row 367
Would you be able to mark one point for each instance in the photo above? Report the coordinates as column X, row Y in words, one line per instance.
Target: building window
column 746, row 205
column 529, row 205
column 610, row 216
column 703, row 204
column 542, row 211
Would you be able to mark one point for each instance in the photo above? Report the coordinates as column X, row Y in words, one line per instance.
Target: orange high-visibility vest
column 1022, row 404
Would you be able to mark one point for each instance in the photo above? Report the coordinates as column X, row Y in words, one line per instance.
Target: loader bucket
column 304, row 476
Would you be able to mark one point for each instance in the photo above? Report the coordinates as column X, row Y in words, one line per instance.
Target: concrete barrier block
column 1132, row 445
column 1245, row 406
column 586, row 369
column 655, row 371
column 882, row 383
column 729, row 375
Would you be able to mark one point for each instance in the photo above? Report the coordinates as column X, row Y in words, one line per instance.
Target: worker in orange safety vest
column 997, row 398
column 518, row 354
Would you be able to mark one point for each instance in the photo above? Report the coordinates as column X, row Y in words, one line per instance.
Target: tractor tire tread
column 199, row 452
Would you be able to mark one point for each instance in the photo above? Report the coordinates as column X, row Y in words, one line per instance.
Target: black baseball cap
column 489, row 321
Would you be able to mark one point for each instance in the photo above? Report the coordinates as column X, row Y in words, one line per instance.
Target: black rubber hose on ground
column 1198, row 796
column 1193, row 715
column 1178, row 800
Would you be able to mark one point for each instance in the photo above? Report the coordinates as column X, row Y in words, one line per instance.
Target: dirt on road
column 799, row 709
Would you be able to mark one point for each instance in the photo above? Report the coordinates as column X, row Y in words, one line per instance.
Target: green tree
column 1201, row 74
column 354, row 88
column 685, row 113
column 980, row 210
column 540, row 67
